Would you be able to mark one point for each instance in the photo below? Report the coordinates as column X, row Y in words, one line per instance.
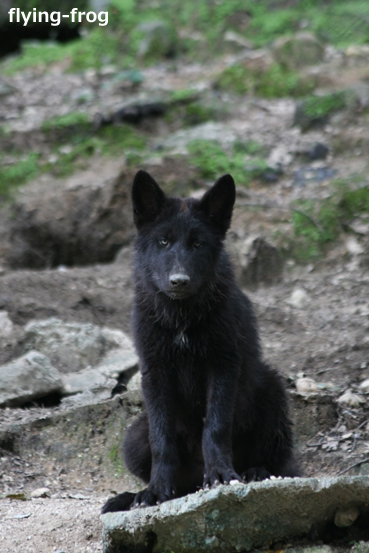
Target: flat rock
column 237, row 518
column 298, row 51
column 27, row 378
column 72, row 347
column 260, row 263
column 104, row 375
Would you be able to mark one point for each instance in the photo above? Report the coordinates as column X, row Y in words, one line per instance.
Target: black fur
column 214, row 411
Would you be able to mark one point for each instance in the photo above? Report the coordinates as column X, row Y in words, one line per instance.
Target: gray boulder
column 259, row 263
column 75, row 346
column 158, row 39
column 105, row 375
column 28, row 378
column 85, row 220
column 239, row 517
column 298, row 51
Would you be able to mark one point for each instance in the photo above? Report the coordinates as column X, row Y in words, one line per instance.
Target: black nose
column 179, row 280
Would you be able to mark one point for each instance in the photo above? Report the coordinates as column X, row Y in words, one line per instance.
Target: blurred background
column 275, row 93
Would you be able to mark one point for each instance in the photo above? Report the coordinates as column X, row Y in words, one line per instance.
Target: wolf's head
column 179, row 241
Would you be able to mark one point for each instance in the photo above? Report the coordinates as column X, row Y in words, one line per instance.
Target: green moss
column 17, row 174
column 213, row 161
column 276, row 82
column 316, row 107
column 95, row 50
column 107, row 141
column 250, row 147
column 317, row 225
column 68, row 121
column 237, row 79
column 342, row 23
column 184, row 95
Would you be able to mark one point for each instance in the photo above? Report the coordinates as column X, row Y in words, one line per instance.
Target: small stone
column 260, row 263
column 233, row 482
column 357, row 55
column 364, row 386
column 299, row 298
column 41, row 492
column 351, row 399
column 6, row 325
column 317, row 152
column 353, row 247
column 346, row 516
column 159, row 39
column 298, row 51
column 28, row 378
column 306, row 385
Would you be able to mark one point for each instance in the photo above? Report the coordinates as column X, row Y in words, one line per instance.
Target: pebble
column 299, row 298
column 41, row 492
column 306, row 385
column 6, row 325
column 364, row 386
column 233, row 482
column 351, row 399
column 353, row 247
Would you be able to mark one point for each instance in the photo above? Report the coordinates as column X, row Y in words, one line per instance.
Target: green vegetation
column 213, row 160
column 18, row 173
column 73, row 147
column 110, row 140
column 278, row 82
column 72, row 119
column 115, row 458
column 98, row 48
column 275, row 82
column 316, row 107
column 341, row 22
column 318, row 225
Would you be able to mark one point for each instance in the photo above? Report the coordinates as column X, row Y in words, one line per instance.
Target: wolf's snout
column 179, row 280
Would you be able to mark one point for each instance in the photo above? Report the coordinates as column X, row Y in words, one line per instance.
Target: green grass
column 111, row 140
column 321, row 106
column 276, row 82
column 82, row 144
column 213, row 161
column 98, row 48
column 340, row 22
column 318, row 225
column 17, row 174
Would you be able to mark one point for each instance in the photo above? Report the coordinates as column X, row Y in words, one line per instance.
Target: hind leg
column 136, row 448
column 265, row 446
column 137, row 458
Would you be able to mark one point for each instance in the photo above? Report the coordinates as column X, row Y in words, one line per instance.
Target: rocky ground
column 55, row 233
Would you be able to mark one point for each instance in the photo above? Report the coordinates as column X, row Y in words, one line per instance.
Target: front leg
column 217, row 433
column 158, row 395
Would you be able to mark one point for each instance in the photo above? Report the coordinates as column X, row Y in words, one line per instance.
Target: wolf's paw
column 255, row 474
column 148, row 498
column 216, row 477
column 120, row 502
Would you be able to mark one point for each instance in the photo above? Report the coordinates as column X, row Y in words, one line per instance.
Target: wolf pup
column 214, row 411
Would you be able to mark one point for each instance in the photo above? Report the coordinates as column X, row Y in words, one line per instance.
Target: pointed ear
column 147, row 199
column 218, row 203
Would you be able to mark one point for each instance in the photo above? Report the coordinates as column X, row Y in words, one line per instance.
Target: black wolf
column 214, row 411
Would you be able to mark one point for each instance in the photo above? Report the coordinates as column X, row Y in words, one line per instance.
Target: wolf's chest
column 181, row 340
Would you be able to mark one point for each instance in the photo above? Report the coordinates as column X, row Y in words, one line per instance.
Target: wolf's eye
column 197, row 244
column 163, row 242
